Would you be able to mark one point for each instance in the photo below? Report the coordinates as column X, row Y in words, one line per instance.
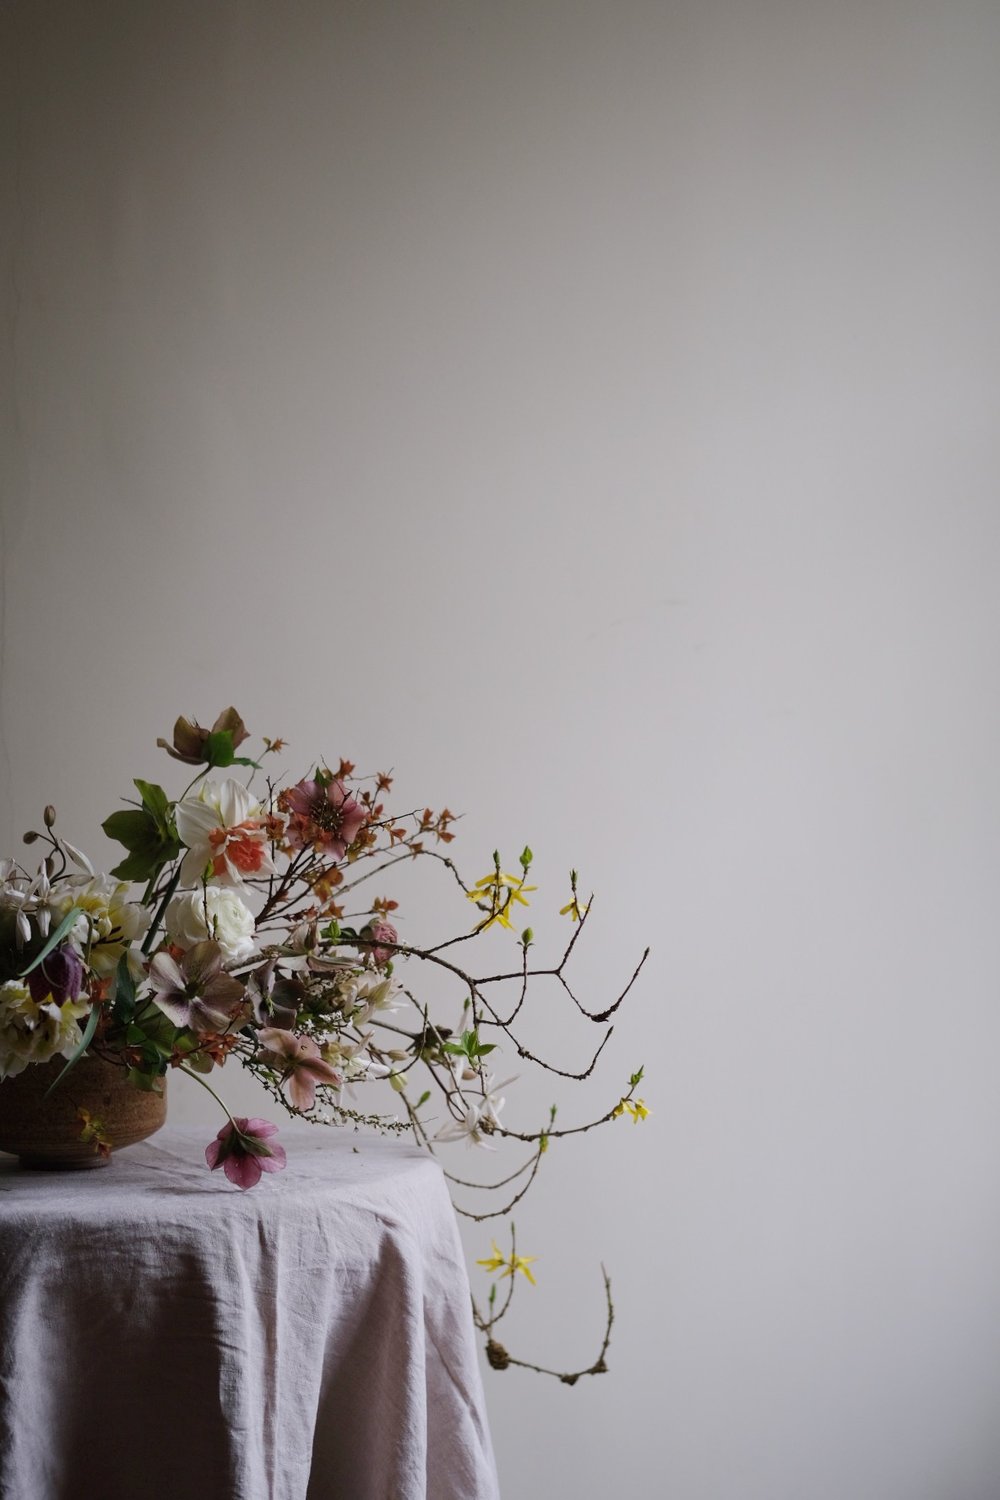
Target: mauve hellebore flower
column 244, row 1149
column 274, row 998
column 59, row 975
column 197, row 992
column 301, row 1063
column 322, row 813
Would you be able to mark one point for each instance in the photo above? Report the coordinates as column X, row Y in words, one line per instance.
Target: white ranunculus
column 32, row 1033
column 215, row 912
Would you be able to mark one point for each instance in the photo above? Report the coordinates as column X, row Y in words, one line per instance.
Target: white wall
column 590, row 409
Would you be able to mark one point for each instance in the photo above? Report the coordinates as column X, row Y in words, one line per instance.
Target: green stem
column 158, row 918
column 198, row 1079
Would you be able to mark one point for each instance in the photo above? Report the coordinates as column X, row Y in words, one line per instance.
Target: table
column 163, row 1334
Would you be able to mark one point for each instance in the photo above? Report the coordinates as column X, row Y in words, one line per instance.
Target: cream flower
column 367, row 993
column 478, row 1115
column 215, row 913
column 109, row 922
column 478, row 1119
column 33, row 1033
column 226, row 833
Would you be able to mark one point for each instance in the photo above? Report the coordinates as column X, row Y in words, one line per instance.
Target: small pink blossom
column 244, row 1149
column 301, row 1064
column 379, row 932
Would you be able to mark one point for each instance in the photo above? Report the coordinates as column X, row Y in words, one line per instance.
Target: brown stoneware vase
column 46, row 1132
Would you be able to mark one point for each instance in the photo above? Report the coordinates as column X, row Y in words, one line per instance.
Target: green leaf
column 220, row 751
column 150, row 843
column 423, row 1099
column 141, row 865
column 201, row 1062
column 148, row 1082
column 154, row 799
column 131, row 827
column 470, row 1046
column 636, row 1079
column 85, row 1041
column 526, row 857
column 155, row 1033
column 54, row 939
column 219, row 748
column 124, row 996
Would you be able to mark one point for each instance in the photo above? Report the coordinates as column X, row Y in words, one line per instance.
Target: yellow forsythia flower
column 507, row 1265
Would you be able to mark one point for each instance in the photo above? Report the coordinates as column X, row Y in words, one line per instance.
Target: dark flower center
column 326, row 816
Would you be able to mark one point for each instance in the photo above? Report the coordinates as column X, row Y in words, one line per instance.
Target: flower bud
column 49, row 815
column 31, row 837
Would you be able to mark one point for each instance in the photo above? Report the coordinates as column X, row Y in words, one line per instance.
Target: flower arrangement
column 237, row 926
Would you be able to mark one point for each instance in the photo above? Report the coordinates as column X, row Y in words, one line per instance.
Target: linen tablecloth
column 166, row 1335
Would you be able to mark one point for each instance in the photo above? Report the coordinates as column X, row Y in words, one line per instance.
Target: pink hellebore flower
column 243, row 1149
column 301, row 1063
column 322, row 813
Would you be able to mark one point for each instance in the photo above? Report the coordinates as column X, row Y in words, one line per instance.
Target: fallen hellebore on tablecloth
column 247, row 941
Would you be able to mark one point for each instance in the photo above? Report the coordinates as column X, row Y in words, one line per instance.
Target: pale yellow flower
column 507, row 1265
column 501, row 891
column 109, row 923
column 633, row 1107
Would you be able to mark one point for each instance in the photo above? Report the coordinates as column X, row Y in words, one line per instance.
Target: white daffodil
column 227, row 834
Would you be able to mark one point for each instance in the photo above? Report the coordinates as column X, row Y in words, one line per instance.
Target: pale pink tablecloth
column 165, row 1335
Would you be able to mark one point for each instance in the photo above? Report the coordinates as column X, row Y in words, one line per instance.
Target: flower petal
column 243, row 1171
column 275, row 1162
column 165, row 973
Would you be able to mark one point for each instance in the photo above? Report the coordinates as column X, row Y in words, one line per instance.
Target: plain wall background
column 589, row 409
